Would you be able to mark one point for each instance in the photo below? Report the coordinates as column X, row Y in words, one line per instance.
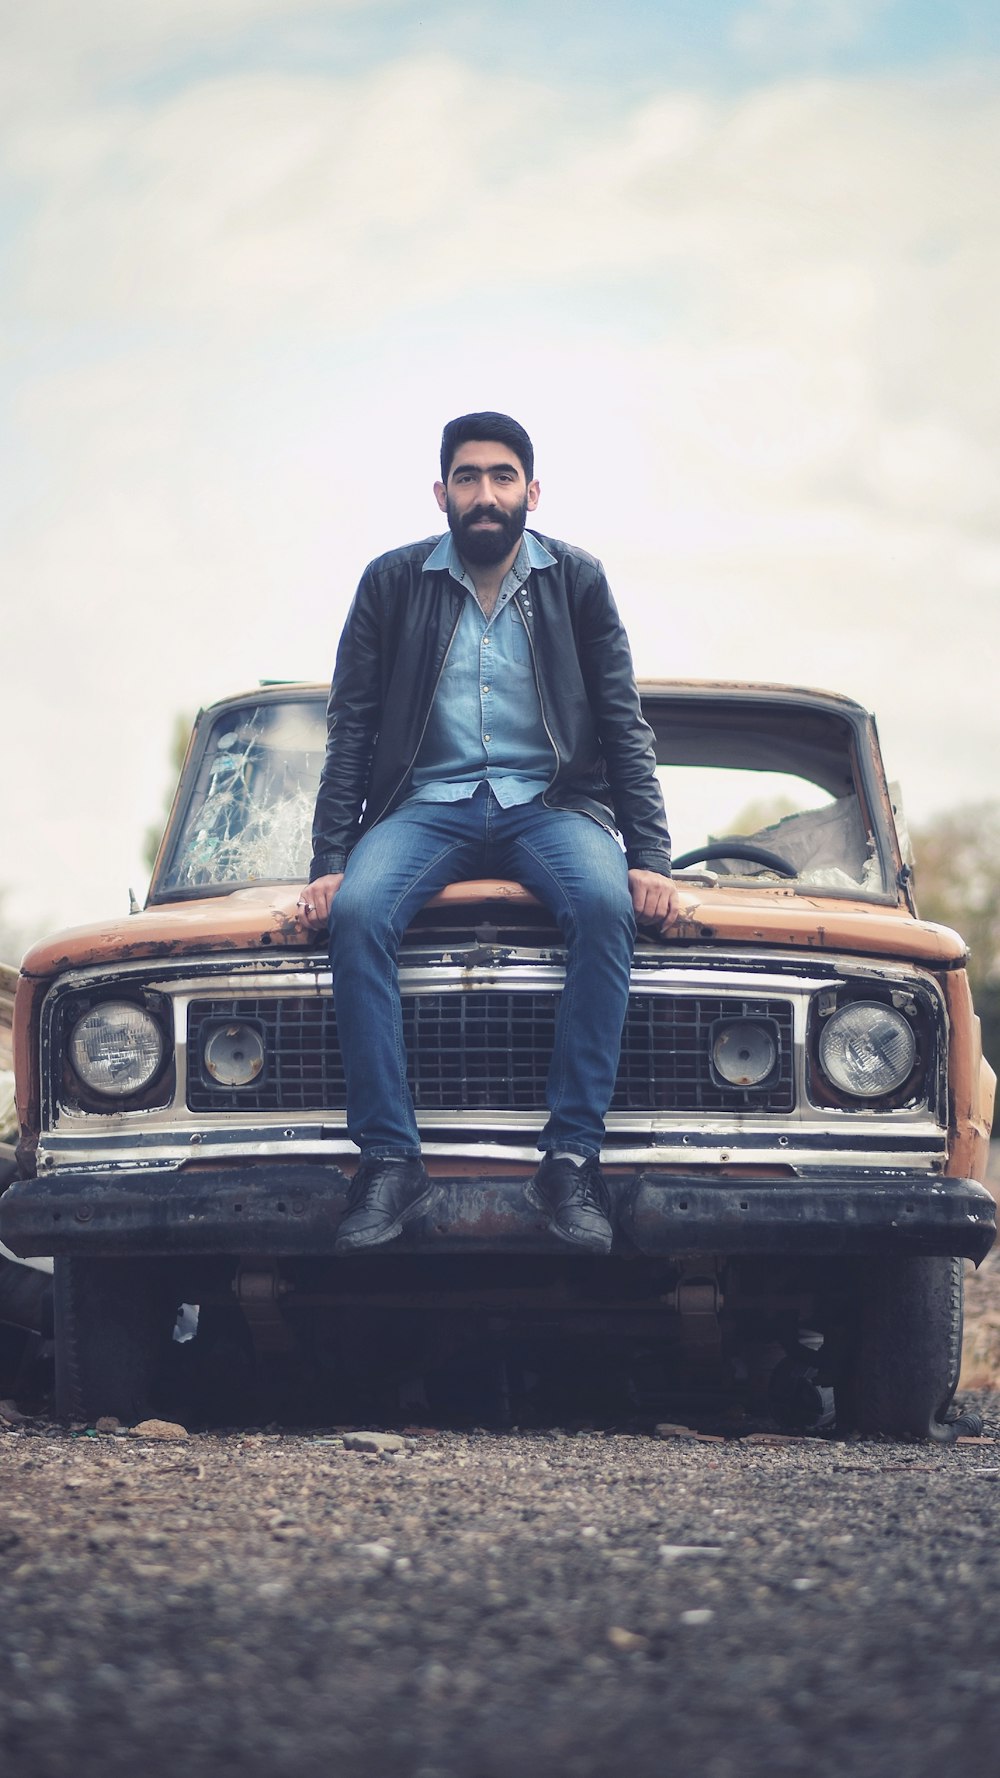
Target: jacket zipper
column 541, row 703
column 408, row 768
column 608, row 829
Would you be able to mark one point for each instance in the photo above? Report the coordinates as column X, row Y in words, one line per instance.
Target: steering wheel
column 736, row 848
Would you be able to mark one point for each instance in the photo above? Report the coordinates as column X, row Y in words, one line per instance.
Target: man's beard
column 484, row 549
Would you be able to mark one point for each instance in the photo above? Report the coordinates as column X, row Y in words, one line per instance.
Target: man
column 484, row 720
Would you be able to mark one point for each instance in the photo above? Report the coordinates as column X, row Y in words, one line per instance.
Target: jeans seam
column 452, row 846
column 567, row 999
column 406, row 1097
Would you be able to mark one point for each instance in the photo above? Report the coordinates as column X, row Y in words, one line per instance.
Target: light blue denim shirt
column 486, row 720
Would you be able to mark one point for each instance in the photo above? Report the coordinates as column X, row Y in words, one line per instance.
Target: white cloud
column 776, row 29
column 254, row 197
column 57, row 49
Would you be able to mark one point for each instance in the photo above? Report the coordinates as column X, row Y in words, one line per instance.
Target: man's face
column 487, row 500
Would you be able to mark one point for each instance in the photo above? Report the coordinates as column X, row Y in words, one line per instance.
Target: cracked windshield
column 251, row 809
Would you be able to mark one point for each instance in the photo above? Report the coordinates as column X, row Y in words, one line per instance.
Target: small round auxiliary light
column 233, row 1054
column 744, row 1053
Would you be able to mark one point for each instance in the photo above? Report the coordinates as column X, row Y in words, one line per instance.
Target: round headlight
column 116, row 1048
column 867, row 1049
column 233, row 1054
column 744, row 1053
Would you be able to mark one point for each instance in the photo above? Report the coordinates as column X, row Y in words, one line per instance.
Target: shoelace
column 360, row 1187
column 591, row 1195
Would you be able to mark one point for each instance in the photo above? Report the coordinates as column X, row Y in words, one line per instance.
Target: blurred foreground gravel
column 484, row 1605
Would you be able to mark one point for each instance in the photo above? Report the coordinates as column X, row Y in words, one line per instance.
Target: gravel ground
column 485, row 1605
column 981, row 1347
column 559, row 1604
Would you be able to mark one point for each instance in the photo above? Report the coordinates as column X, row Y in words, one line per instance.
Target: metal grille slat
column 489, row 1050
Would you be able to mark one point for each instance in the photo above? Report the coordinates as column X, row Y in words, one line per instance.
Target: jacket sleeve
column 627, row 741
column 353, row 716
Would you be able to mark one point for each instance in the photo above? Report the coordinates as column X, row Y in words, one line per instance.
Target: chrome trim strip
column 251, row 972
column 923, row 1145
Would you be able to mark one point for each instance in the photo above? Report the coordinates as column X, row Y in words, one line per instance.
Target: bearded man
column 484, row 721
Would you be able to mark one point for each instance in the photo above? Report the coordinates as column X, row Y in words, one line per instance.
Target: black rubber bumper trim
column 294, row 1208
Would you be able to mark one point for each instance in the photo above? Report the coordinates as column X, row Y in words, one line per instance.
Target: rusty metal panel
column 255, row 919
column 277, row 1209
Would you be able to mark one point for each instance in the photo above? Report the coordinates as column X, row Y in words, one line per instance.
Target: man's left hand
column 655, row 898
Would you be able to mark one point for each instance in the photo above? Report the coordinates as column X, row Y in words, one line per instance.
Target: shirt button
column 486, row 737
column 486, row 642
column 486, row 688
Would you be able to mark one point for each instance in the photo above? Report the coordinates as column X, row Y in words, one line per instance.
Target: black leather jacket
column 391, row 654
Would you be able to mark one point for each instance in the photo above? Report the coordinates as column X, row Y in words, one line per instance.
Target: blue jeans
column 573, row 866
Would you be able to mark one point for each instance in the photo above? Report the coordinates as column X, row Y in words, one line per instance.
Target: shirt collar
column 532, row 554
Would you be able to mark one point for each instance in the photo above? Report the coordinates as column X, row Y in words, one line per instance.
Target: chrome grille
column 489, row 1050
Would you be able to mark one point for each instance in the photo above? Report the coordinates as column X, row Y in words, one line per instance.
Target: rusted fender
column 782, row 918
column 971, row 1084
column 246, row 919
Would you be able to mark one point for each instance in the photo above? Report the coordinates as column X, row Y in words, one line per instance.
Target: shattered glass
column 251, row 810
column 828, row 846
column 826, row 839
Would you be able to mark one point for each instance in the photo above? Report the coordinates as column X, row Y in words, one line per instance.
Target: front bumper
column 285, row 1209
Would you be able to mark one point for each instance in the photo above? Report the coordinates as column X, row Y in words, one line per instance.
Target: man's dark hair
column 479, row 426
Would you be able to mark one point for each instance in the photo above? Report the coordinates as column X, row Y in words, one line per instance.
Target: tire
column 25, row 1298
column 25, row 1293
column 904, row 1350
column 113, row 1328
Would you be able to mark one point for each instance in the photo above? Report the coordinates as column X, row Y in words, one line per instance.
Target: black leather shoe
column 575, row 1200
column 384, row 1196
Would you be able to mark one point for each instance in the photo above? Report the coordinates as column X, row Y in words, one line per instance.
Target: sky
column 734, row 264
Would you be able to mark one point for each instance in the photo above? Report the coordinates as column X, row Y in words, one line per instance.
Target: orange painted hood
column 262, row 918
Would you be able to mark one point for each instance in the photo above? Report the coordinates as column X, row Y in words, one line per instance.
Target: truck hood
column 265, row 918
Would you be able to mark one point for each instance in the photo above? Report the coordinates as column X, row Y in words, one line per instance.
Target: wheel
column 113, row 1327
column 25, row 1292
column 904, row 1349
column 8, row 1165
column 25, row 1298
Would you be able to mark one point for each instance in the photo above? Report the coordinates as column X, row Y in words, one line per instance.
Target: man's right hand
column 316, row 900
